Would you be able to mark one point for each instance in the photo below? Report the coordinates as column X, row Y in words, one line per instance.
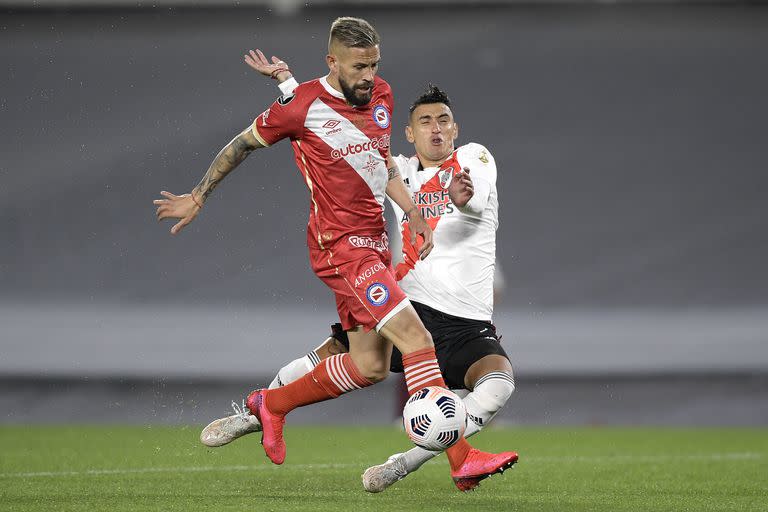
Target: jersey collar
column 330, row 89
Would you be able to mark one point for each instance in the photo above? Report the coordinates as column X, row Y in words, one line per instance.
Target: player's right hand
column 258, row 61
column 461, row 188
column 181, row 207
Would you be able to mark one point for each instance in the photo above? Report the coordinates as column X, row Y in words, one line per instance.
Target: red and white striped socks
column 421, row 370
column 331, row 378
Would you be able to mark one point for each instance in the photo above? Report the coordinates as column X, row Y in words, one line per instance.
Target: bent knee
column 374, row 371
column 376, row 374
column 495, row 388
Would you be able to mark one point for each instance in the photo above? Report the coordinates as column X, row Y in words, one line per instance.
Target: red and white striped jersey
column 340, row 150
column 457, row 276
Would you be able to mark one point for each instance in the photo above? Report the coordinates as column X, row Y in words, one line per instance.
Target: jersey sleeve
column 288, row 86
column 482, row 171
column 285, row 118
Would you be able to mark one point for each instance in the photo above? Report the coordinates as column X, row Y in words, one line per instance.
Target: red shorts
column 363, row 280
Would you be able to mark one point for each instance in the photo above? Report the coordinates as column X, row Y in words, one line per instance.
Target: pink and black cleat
column 480, row 465
column 271, row 425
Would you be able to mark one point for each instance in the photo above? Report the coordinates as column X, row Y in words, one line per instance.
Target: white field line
column 545, row 459
column 185, row 469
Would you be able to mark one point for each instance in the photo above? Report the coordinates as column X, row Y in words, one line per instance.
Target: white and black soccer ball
column 434, row 418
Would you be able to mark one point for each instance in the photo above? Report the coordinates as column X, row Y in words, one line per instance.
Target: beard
column 353, row 95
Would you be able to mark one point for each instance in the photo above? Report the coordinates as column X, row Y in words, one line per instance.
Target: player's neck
column 426, row 162
column 333, row 81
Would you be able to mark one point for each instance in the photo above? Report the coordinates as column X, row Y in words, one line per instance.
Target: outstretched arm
column 187, row 206
column 399, row 193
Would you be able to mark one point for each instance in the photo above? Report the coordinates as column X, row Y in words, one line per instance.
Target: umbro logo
column 331, row 123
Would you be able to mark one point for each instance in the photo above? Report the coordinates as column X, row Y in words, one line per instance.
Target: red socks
column 329, row 379
column 422, row 370
column 338, row 375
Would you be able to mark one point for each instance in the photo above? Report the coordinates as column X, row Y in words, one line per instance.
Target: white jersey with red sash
column 457, row 276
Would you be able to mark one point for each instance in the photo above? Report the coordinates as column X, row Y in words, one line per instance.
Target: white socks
column 295, row 369
column 491, row 392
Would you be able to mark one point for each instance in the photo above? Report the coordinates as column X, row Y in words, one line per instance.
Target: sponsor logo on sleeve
column 381, row 116
column 285, row 99
column 377, row 294
column 483, row 157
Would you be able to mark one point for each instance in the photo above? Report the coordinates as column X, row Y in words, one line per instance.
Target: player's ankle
column 457, row 453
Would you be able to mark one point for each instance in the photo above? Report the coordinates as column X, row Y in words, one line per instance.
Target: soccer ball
column 434, row 418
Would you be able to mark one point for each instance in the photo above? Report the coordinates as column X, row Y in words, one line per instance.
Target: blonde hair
column 353, row 33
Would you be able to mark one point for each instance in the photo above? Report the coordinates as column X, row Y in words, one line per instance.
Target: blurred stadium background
column 631, row 144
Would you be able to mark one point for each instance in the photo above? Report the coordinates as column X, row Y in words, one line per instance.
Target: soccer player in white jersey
column 452, row 290
column 339, row 128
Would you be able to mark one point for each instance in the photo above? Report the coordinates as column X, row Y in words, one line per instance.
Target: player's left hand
column 461, row 189
column 419, row 227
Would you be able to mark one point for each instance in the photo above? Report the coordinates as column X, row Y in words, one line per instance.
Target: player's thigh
column 406, row 331
column 370, row 352
column 330, row 347
column 485, row 365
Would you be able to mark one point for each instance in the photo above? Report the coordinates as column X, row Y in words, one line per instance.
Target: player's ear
column 409, row 134
column 332, row 63
column 455, row 130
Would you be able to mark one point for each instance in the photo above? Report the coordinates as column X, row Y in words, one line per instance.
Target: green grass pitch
column 112, row 469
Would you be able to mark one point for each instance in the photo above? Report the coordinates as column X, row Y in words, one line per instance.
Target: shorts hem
column 395, row 310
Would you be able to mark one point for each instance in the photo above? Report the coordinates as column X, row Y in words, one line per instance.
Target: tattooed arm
column 399, row 193
column 187, row 206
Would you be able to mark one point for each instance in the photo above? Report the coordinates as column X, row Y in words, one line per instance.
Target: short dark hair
column 353, row 33
column 433, row 94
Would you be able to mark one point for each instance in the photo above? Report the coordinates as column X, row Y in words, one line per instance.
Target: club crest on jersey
column 381, row 116
column 445, row 177
column 285, row 99
column 377, row 294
